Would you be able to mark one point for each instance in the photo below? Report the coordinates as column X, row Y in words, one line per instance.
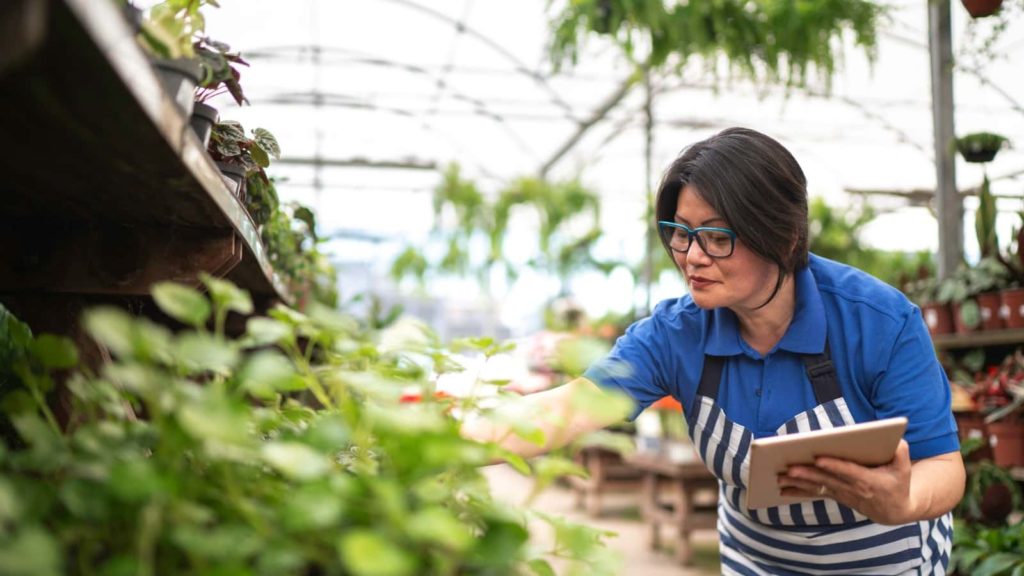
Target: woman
column 772, row 340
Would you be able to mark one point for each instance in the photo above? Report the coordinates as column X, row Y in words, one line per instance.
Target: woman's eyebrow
column 682, row 220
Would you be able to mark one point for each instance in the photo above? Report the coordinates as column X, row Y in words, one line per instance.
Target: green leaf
column 997, row 564
column 259, row 156
column 215, row 418
column 517, row 462
column 295, row 460
column 230, row 130
column 202, row 352
column 541, row 567
column 439, row 526
column 55, row 352
column 313, row 507
column 265, row 140
column 10, row 505
column 226, row 295
column 600, row 404
column 182, row 303
column 30, row 552
column 267, row 331
column 112, row 328
column 268, row 372
column 366, row 553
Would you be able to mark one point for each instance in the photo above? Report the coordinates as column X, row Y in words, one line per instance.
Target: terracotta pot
column 1007, row 440
column 1011, row 307
column 972, row 425
column 989, row 303
column 982, row 8
column 938, row 317
column 958, row 323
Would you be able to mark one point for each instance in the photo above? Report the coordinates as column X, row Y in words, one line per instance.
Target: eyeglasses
column 715, row 242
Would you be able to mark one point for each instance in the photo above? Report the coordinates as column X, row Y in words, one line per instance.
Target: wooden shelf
column 979, row 339
column 105, row 187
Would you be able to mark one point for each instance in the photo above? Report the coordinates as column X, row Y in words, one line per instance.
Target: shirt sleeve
column 913, row 384
column 634, row 366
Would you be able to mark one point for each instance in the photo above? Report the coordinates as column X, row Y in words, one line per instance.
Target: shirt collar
column 805, row 335
column 806, row 332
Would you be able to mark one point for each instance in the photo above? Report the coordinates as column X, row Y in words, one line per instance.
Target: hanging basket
column 982, row 8
column 980, row 147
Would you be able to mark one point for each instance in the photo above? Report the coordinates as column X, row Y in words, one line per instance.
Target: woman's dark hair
column 755, row 184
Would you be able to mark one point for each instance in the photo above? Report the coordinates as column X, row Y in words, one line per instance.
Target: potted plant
column 238, row 155
column 989, row 551
column 1012, row 296
column 220, row 76
column 167, row 32
column 980, row 147
column 936, row 313
column 985, row 281
column 1001, row 397
column 990, row 494
column 956, row 290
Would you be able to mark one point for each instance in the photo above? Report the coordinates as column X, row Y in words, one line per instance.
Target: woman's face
column 742, row 281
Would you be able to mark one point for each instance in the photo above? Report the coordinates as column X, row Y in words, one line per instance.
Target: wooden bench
column 692, row 498
column 607, row 472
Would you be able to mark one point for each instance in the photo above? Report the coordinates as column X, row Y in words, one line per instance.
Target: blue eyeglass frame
column 691, row 234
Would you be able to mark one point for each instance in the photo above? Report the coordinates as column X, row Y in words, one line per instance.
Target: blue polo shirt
column 881, row 350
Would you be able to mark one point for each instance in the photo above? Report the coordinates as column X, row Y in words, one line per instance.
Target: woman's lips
column 698, row 282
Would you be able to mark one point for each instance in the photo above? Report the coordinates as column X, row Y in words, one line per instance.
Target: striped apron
column 816, row 537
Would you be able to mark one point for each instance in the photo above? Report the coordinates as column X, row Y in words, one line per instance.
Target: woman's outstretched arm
column 561, row 414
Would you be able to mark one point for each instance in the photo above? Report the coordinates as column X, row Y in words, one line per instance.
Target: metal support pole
column 649, row 188
column 948, row 205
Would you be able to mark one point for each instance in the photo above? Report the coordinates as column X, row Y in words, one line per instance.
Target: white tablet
column 870, row 443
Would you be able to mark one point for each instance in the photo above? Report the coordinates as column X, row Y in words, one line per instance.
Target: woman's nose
column 697, row 255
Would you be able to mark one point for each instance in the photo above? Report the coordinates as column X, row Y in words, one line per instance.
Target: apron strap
column 819, row 367
column 711, row 376
column 822, row 374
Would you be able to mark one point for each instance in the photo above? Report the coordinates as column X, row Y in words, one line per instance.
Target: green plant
column 980, row 146
column 761, row 39
column 229, row 144
column 220, row 70
column 171, row 27
column 261, row 199
column 290, row 236
column 982, row 551
column 285, row 451
column 990, row 494
column 557, row 206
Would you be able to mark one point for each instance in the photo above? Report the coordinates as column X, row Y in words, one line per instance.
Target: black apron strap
column 822, row 374
column 711, row 376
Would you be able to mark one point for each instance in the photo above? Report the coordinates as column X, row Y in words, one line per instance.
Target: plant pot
column 1011, row 307
column 938, row 317
column 180, row 78
column 236, row 174
column 202, row 120
column 982, row 8
column 1007, row 440
column 972, row 425
column 960, row 327
column 989, row 305
column 979, row 156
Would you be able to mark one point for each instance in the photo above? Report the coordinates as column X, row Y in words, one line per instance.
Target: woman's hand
column 881, row 493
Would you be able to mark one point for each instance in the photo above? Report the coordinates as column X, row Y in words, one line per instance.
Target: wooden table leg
column 649, row 509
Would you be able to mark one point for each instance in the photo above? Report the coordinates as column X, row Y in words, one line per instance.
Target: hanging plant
column 981, row 147
column 982, row 8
